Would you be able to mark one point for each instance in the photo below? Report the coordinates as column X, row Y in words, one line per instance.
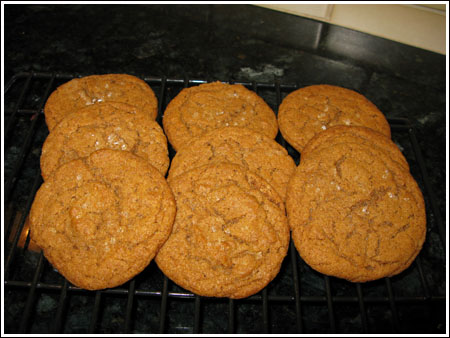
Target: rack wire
column 299, row 300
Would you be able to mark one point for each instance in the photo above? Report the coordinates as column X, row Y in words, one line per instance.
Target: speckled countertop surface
column 227, row 42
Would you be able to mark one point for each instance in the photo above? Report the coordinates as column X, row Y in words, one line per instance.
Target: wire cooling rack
column 299, row 300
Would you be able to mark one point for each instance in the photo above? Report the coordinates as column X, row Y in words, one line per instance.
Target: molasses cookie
column 242, row 146
column 200, row 109
column 354, row 213
column 230, row 234
column 85, row 91
column 356, row 134
column 101, row 219
column 311, row 110
column 110, row 125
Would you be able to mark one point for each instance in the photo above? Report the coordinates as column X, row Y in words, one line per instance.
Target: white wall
column 417, row 25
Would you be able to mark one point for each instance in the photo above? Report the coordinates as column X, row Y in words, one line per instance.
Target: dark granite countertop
column 228, row 42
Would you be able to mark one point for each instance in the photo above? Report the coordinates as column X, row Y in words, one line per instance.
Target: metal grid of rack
column 299, row 300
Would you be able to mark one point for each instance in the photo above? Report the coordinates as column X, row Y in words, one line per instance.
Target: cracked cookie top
column 242, row 146
column 354, row 213
column 80, row 92
column 106, row 125
column 310, row 110
column 359, row 135
column 197, row 110
column 230, row 234
column 101, row 219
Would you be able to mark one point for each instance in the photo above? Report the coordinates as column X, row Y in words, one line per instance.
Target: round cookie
column 355, row 214
column 80, row 92
column 197, row 110
column 356, row 134
column 230, row 234
column 242, row 146
column 310, row 110
column 110, row 125
column 101, row 219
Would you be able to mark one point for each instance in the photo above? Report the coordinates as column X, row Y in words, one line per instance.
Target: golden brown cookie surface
column 106, row 125
column 242, row 146
column 80, row 92
column 101, row 219
column 197, row 110
column 359, row 135
column 354, row 213
column 310, row 110
column 230, row 233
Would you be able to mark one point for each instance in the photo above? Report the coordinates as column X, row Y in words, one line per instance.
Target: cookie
column 106, row 125
column 101, row 219
column 242, row 146
column 80, row 92
column 356, row 134
column 230, row 234
column 354, row 213
column 310, row 110
column 200, row 109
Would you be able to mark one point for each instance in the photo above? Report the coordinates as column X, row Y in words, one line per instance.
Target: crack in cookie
column 241, row 146
column 349, row 221
column 233, row 223
column 310, row 110
column 81, row 92
column 200, row 109
column 101, row 219
column 109, row 125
